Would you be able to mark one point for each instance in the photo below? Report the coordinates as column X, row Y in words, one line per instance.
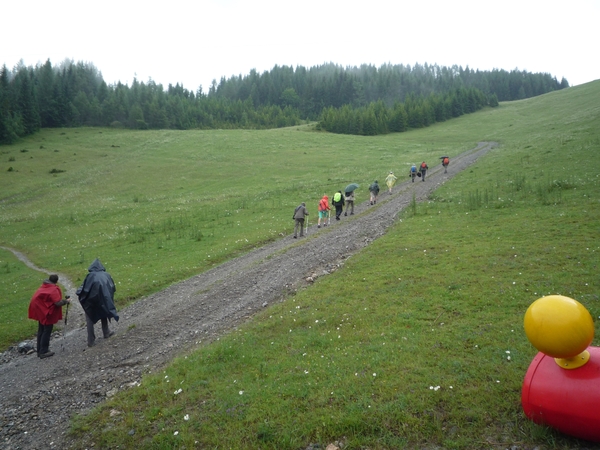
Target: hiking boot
column 91, row 344
column 112, row 333
column 345, row 214
column 46, row 355
column 318, row 226
column 295, row 237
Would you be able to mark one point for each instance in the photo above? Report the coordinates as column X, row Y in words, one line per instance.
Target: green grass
column 18, row 285
column 438, row 301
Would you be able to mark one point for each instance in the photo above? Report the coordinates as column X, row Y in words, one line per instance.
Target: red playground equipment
column 562, row 385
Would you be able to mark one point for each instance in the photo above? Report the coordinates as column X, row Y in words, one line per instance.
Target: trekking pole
column 306, row 229
column 66, row 320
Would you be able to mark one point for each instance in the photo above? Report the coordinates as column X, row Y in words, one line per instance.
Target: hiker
column 390, row 181
column 423, row 170
column 338, row 202
column 374, row 190
column 413, row 172
column 46, row 307
column 445, row 163
column 323, row 211
column 299, row 213
column 349, row 202
column 96, row 296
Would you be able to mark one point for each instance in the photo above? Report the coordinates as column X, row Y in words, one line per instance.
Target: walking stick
column 66, row 319
column 306, row 229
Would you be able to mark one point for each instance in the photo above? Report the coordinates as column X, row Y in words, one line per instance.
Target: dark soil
column 38, row 396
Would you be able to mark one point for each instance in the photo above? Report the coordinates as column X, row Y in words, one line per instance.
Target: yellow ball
column 559, row 326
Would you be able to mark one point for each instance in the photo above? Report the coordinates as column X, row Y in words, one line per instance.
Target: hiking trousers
column 299, row 223
column 90, row 329
column 43, row 338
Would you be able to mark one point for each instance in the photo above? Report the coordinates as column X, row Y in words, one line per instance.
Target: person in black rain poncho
column 96, row 296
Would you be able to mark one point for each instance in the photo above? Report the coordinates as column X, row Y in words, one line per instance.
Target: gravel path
column 39, row 396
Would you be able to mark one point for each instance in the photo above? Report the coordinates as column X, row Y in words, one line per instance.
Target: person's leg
column 45, row 339
column 352, row 209
column 105, row 330
column 39, row 337
column 301, row 221
column 90, row 331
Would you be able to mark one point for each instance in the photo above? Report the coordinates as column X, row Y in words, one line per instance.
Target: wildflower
column 178, row 391
column 186, row 417
column 241, row 392
column 176, row 433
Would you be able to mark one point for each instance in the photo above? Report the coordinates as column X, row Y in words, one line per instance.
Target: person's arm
column 63, row 302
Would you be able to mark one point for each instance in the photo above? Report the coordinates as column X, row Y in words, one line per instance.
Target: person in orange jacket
column 46, row 307
column 324, row 209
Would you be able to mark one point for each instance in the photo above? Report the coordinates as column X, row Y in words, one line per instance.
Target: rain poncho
column 97, row 292
column 390, row 180
column 374, row 188
column 42, row 307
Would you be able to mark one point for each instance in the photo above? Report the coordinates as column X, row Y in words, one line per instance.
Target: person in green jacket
column 374, row 190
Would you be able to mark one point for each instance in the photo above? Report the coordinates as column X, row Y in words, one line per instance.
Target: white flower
column 186, row 417
column 374, row 374
column 241, row 392
column 176, row 433
column 178, row 391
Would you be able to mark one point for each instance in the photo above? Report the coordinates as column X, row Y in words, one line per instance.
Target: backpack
column 446, row 161
column 337, row 197
column 413, row 169
column 296, row 210
column 423, row 165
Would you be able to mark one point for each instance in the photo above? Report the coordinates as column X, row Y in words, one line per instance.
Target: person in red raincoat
column 46, row 307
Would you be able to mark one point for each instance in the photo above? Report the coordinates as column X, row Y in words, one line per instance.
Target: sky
column 193, row 42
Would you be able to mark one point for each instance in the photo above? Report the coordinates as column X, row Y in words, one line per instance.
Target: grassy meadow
column 417, row 342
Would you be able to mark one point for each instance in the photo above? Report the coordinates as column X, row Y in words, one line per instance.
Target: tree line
column 415, row 112
column 74, row 94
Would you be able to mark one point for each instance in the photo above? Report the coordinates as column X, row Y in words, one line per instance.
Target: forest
column 363, row 100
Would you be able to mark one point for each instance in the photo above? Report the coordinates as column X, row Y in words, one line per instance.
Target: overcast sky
column 194, row 42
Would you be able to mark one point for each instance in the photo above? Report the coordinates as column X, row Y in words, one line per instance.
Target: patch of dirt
column 40, row 395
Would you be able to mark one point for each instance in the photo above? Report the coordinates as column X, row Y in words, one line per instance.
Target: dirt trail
column 39, row 396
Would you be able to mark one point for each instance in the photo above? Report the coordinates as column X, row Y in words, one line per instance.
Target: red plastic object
column 568, row 400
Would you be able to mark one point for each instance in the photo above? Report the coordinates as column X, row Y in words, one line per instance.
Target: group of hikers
column 340, row 199
column 96, row 296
